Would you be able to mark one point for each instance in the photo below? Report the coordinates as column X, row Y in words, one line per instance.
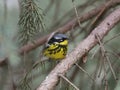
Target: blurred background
column 23, row 21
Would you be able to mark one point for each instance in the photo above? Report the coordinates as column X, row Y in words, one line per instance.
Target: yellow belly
column 55, row 52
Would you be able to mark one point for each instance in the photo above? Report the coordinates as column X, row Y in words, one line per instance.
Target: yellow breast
column 56, row 51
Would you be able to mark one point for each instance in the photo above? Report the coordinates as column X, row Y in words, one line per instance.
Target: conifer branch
column 30, row 22
column 68, row 26
column 87, row 44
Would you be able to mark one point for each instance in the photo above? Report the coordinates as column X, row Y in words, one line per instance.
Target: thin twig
column 100, row 65
column 93, row 23
column 77, row 16
column 111, row 68
column 84, row 71
column 71, row 14
column 62, row 76
column 113, row 37
column 107, row 58
column 105, row 75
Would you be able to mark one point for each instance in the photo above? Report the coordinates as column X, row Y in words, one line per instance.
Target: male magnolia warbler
column 56, row 47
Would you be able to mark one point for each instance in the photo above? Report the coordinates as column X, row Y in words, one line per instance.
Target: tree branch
column 68, row 26
column 74, row 22
column 84, row 47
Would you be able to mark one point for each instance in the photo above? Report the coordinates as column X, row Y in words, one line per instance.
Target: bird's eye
column 61, row 40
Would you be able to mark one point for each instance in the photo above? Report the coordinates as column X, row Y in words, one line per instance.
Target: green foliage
column 30, row 22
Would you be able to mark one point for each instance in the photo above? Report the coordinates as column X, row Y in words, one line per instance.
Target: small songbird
column 56, row 47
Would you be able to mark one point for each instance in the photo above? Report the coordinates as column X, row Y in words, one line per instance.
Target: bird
column 56, row 47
